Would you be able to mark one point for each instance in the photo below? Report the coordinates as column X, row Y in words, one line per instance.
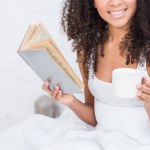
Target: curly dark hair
column 85, row 27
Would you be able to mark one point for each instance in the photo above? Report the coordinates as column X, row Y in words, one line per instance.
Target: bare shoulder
column 89, row 98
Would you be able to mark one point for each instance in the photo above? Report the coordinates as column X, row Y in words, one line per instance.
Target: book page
column 38, row 35
column 28, row 35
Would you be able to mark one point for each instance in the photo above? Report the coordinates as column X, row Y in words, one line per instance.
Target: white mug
column 125, row 81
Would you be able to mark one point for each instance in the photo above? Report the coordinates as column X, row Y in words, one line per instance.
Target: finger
column 138, row 98
column 143, row 96
column 55, row 91
column 45, row 85
column 59, row 95
column 48, row 91
column 46, row 88
column 139, row 86
column 145, row 89
column 148, row 83
column 144, row 80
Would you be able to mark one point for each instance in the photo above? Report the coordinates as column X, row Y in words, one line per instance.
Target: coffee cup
column 125, row 81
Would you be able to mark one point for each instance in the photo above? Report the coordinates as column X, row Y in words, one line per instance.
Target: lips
column 116, row 13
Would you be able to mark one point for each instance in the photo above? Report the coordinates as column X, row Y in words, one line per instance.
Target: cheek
column 101, row 10
column 133, row 5
column 103, row 14
column 100, row 5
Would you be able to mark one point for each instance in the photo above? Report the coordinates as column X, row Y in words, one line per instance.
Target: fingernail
column 46, row 82
column 59, row 91
column 138, row 86
column 56, row 87
column 138, row 98
column 138, row 93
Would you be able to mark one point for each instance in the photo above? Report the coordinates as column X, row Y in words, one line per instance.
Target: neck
column 115, row 34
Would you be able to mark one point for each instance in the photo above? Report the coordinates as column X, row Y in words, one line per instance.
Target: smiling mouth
column 117, row 13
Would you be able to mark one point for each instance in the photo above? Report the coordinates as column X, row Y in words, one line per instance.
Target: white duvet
column 67, row 133
column 41, row 133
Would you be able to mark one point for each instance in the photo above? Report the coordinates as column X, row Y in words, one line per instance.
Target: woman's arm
column 85, row 111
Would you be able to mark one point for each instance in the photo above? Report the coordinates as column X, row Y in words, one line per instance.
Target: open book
column 41, row 53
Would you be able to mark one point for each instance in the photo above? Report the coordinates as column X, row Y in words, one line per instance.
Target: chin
column 119, row 24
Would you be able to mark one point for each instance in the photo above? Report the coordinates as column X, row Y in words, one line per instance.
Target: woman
column 106, row 35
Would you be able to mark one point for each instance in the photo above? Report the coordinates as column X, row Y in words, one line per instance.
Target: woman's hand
column 58, row 95
column 144, row 94
column 144, row 90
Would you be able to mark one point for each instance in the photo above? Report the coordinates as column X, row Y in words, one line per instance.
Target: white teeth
column 117, row 12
